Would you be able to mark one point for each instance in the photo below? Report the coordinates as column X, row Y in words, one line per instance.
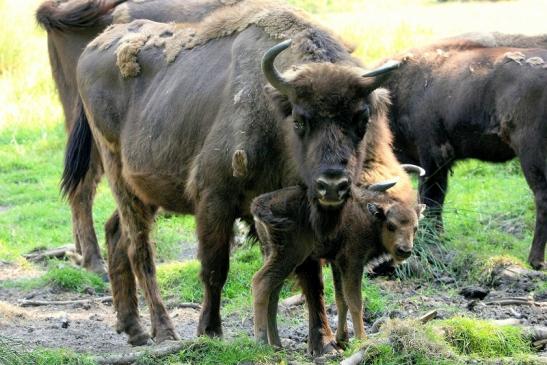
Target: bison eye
column 362, row 115
column 391, row 227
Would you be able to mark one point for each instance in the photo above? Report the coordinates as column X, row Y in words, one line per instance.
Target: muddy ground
column 89, row 328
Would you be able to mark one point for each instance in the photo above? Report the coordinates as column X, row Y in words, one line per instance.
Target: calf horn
column 413, row 168
column 384, row 185
column 387, row 67
column 271, row 73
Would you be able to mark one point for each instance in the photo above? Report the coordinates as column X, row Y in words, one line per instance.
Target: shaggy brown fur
column 274, row 17
column 167, row 139
column 372, row 224
column 71, row 25
column 475, row 102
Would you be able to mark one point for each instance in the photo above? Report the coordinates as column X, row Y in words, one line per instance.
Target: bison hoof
column 538, row 265
column 140, row 339
column 210, row 332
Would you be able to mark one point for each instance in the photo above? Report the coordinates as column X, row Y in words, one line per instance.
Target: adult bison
column 461, row 98
column 168, row 106
column 71, row 25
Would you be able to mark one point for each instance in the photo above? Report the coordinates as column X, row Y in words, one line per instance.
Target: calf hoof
column 342, row 340
column 139, row 339
column 239, row 163
column 166, row 334
column 212, row 331
column 327, row 346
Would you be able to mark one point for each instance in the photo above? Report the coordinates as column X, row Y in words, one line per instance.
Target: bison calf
column 372, row 224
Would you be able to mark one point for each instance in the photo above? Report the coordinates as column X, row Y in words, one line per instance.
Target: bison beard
column 173, row 146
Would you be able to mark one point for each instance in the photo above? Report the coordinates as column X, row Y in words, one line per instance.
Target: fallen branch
column 161, row 350
column 539, row 344
column 37, row 303
column 428, row 316
column 516, row 301
column 294, row 301
column 59, row 252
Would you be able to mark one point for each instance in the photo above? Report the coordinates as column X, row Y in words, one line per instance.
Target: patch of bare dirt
column 90, row 327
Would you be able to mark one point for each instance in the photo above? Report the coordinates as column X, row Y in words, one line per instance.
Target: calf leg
column 81, row 204
column 273, row 333
column 124, row 288
column 215, row 219
column 341, row 306
column 351, row 283
column 534, row 166
column 267, row 283
column 321, row 339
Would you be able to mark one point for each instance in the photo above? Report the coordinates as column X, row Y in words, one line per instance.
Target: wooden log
column 59, row 252
column 163, row 349
column 37, row 303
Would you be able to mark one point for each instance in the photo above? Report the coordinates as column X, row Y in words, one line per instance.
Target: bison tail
column 78, row 154
column 73, row 14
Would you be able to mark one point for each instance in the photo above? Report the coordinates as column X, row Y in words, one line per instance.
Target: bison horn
column 387, row 67
column 384, row 185
column 271, row 73
column 413, row 168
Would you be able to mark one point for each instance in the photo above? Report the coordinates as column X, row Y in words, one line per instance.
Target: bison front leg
column 81, row 204
column 341, row 306
column 534, row 166
column 351, row 283
column 321, row 339
column 215, row 219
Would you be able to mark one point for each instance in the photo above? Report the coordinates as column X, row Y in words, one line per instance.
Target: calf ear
column 420, row 209
column 280, row 102
column 377, row 211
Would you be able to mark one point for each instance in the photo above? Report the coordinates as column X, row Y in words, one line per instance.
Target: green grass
column 449, row 342
column 208, row 351
column 13, row 353
column 63, row 276
column 470, row 336
column 489, row 208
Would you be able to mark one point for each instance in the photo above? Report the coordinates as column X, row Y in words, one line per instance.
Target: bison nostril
column 403, row 252
column 343, row 185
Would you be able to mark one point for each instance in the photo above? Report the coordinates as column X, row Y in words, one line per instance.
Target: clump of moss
column 471, row 336
column 72, row 278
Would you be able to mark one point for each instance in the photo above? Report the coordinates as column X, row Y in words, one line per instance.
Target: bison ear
column 377, row 211
column 420, row 209
column 281, row 102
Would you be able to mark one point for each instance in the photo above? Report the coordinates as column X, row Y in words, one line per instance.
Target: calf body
column 370, row 225
column 459, row 99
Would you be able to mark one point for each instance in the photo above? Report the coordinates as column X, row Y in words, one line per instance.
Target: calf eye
column 391, row 227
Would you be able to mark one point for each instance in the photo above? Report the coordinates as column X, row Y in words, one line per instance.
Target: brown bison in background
column 459, row 99
column 71, row 25
column 167, row 105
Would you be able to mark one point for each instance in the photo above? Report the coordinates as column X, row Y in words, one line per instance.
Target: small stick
column 37, row 303
column 188, row 305
column 516, row 301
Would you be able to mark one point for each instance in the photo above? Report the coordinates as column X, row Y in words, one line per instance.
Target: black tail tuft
column 77, row 155
column 73, row 13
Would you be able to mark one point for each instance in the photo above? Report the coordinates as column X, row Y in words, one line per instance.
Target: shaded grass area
column 450, row 342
